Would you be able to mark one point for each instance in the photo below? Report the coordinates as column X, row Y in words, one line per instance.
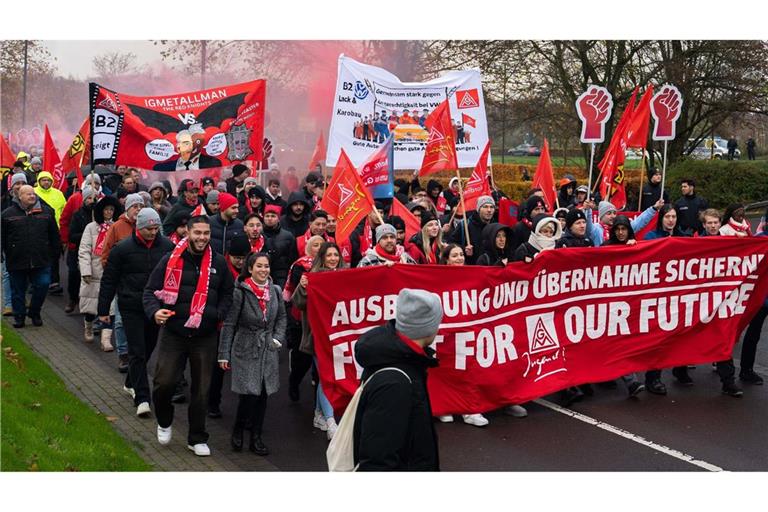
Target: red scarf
column 175, row 238
column 235, row 272
column 381, row 253
column 306, row 263
column 101, row 238
column 740, row 227
column 257, row 245
column 170, row 292
column 261, row 292
column 366, row 240
column 144, row 242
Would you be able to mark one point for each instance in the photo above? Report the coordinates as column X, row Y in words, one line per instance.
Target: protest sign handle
column 378, row 215
column 640, row 186
column 664, row 170
column 463, row 207
column 591, row 164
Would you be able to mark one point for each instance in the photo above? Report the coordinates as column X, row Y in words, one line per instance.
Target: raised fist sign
column 665, row 108
column 594, row 108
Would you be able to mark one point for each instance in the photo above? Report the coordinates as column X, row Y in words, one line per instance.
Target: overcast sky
column 76, row 57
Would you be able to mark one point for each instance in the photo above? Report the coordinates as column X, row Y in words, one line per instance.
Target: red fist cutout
column 665, row 108
column 594, row 108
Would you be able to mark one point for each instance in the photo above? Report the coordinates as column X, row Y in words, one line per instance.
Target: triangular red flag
column 469, row 120
column 478, row 182
column 6, row 155
column 318, row 155
column 545, row 178
column 412, row 224
column 440, row 153
column 52, row 162
column 637, row 130
column 346, row 198
column 612, row 164
column 199, row 211
column 78, row 151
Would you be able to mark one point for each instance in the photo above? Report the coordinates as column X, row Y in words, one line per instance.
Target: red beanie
column 273, row 208
column 226, row 200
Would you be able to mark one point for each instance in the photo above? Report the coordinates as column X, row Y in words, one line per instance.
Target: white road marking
column 629, row 435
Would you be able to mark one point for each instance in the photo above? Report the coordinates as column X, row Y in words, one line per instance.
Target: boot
column 71, row 305
column 106, row 345
column 257, row 446
column 88, row 334
column 237, row 438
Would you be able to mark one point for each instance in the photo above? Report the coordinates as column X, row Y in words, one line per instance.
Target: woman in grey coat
column 250, row 339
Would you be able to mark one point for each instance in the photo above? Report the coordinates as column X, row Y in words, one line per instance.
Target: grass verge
column 44, row 427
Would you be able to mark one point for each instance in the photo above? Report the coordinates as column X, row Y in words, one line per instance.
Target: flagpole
column 463, row 207
column 664, row 170
column 640, row 188
column 591, row 164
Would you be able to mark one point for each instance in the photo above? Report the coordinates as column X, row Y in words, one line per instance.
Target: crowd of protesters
column 216, row 276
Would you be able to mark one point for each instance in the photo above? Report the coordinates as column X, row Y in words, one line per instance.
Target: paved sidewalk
column 92, row 376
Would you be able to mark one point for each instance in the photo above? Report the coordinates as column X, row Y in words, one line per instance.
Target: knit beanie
column 212, row 197
column 250, row 181
column 273, row 208
column 226, row 200
column 221, row 186
column 133, row 199
column 603, row 208
column 18, row 177
column 239, row 246
column 87, row 192
column 484, row 200
column 239, row 169
column 573, row 216
column 147, row 217
column 385, row 229
column 427, row 217
column 397, row 222
column 418, row 313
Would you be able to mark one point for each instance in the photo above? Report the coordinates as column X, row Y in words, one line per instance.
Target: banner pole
column 463, row 207
column 664, row 170
column 591, row 164
column 640, row 187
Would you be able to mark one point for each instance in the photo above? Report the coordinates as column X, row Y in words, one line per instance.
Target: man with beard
column 225, row 225
column 476, row 222
column 386, row 251
column 188, row 200
column 296, row 218
column 189, row 293
column 283, row 251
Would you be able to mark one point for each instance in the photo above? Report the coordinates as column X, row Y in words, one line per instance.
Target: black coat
column 223, row 232
column 300, row 226
column 180, row 206
column 570, row 240
column 525, row 251
column 128, row 267
column 80, row 219
column 492, row 255
column 30, row 240
column 651, row 194
column 476, row 226
column 220, row 291
column 282, row 251
column 688, row 208
column 393, row 428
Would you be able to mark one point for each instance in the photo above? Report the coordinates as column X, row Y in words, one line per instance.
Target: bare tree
column 114, row 64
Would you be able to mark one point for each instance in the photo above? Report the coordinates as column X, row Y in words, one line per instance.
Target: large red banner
column 572, row 316
column 187, row 131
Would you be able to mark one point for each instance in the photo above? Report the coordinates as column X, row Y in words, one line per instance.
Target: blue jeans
column 39, row 279
column 322, row 402
column 121, row 341
column 6, row 288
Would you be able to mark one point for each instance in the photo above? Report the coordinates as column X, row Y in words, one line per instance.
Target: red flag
column 637, row 130
column 412, row 224
column 468, row 120
column 78, row 151
column 478, row 183
column 346, row 198
column 318, row 155
column 545, row 179
column 52, row 162
column 440, row 154
column 6, row 155
column 612, row 164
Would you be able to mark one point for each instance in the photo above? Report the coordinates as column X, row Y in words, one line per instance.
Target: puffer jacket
column 28, row 236
column 282, row 253
column 223, row 232
column 300, row 226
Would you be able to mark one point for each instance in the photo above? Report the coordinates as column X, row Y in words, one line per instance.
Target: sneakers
column 517, row 411
column 682, row 376
column 106, row 343
column 200, row 449
column 331, row 423
column 130, row 391
column 570, row 396
column 477, row 420
column 733, row 390
column 164, row 435
column 635, row 389
column 55, row 289
column 319, row 421
column 87, row 331
column 143, row 410
column 750, row 377
column 122, row 365
column 448, row 418
column 656, row 387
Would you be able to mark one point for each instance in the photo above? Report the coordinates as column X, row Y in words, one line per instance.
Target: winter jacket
column 570, row 240
column 246, row 340
column 180, row 206
column 74, row 203
column 300, row 226
column 596, row 232
column 30, row 239
column 651, row 194
column 90, row 265
column 393, row 428
column 128, row 267
column 282, row 252
column 220, row 290
column 688, row 209
column 371, row 259
column 279, row 201
column 120, row 230
column 52, row 196
column 416, row 251
column 492, row 255
column 476, row 226
column 80, row 219
column 222, row 232
column 621, row 220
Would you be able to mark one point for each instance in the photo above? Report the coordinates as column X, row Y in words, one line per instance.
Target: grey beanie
column 484, row 200
column 92, row 178
column 212, row 197
column 157, row 184
column 418, row 313
column 249, row 180
column 132, row 199
column 385, row 229
column 147, row 217
column 36, row 160
column 221, row 186
column 18, row 177
column 87, row 192
column 603, row 208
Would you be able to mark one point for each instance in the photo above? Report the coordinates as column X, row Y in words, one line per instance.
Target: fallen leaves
column 12, row 357
column 67, row 419
column 111, row 419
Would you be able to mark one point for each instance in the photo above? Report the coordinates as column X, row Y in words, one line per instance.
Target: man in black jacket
column 128, row 267
column 30, row 243
column 690, row 207
column 393, row 428
column 235, row 183
column 296, row 218
column 283, row 252
column 478, row 220
column 188, row 201
column 188, row 294
column 652, row 189
column 225, row 225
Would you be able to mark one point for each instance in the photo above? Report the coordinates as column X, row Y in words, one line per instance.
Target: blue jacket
column 596, row 231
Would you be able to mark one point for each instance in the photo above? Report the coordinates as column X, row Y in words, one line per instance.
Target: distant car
column 525, row 150
column 716, row 148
